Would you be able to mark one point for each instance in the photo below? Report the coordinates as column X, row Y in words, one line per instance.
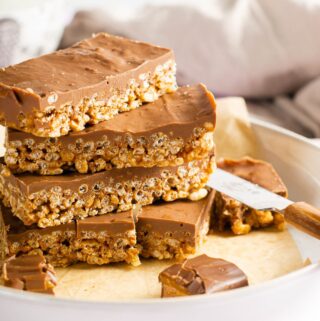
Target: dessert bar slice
column 54, row 200
column 174, row 230
column 175, row 129
column 91, row 81
column 94, row 240
column 229, row 213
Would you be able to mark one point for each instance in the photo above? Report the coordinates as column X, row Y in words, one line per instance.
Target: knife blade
column 300, row 214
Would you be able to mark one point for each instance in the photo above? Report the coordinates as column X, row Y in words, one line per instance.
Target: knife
column 300, row 214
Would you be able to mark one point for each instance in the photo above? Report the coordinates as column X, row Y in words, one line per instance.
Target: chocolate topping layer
column 29, row 273
column 93, row 66
column 180, row 218
column 112, row 224
column 204, row 274
column 257, row 172
column 176, row 114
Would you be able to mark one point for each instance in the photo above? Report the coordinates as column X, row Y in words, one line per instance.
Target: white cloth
column 256, row 49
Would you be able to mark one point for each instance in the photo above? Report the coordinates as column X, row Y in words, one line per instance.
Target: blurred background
column 267, row 51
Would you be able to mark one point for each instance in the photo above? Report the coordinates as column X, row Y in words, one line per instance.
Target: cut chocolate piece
column 29, row 273
column 229, row 213
column 174, row 230
column 55, row 200
column 94, row 240
column 87, row 83
column 177, row 128
column 200, row 275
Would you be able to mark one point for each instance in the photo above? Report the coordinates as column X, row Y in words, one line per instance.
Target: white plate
column 292, row 297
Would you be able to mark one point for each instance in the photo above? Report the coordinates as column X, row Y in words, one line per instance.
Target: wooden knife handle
column 304, row 217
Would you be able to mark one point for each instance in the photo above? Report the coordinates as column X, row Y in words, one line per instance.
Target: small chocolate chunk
column 200, row 275
column 29, row 273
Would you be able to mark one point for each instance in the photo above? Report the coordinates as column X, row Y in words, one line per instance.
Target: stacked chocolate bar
column 96, row 133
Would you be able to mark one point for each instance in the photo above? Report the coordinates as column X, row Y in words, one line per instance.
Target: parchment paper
column 263, row 255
